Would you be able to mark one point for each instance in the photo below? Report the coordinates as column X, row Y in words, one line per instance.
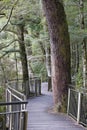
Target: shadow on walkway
column 40, row 119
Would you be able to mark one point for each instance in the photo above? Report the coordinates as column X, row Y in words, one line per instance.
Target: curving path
column 40, row 119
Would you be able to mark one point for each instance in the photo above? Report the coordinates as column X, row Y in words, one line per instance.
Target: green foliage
column 2, row 97
column 36, row 50
column 79, row 79
column 39, row 69
column 28, row 13
column 2, row 93
column 35, row 26
column 73, row 13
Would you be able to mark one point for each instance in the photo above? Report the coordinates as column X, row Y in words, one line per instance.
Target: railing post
column 68, row 101
column 20, row 121
column 25, row 120
column 6, row 95
column 10, row 109
column 36, row 87
column 24, row 106
column 79, row 107
column 40, row 86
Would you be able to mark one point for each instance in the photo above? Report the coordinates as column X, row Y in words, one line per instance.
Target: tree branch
column 3, row 55
column 9, row 44
column 12, row 31
column 9, row 17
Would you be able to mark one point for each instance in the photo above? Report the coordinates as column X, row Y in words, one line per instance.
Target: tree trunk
column 23, row 59
column 60, row 51
column 48, row 66
column 15, row 56
column 84, row 59
column 77, row 58
column 46, row 51
column 3, row 72
column 48, row 56
column 84, row 56
column 49, row 84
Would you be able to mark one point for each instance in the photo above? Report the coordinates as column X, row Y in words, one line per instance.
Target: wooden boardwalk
column 39, row 118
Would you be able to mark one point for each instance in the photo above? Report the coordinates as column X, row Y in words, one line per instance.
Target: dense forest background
column 25, row 42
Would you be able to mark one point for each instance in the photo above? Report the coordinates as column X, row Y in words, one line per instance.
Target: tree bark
column 46, row 51
column 84, row 56
column 23, row 57
column 48, row 55
column 84, row 59
column 48, row 66
column 77, row 58
column 60, row 51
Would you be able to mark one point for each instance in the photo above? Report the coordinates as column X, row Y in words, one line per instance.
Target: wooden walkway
column 39, row 118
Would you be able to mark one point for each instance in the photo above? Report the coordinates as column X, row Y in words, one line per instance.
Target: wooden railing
column 14, row 116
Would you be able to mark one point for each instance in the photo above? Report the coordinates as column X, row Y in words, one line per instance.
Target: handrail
column 13, row 103
column 13, row 112
column 33, row 86
column 17, row 92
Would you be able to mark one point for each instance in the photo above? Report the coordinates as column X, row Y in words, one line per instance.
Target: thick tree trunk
column 23, row 58
column 60, row 51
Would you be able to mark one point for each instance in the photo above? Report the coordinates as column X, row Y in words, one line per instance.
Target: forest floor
column 40, row 116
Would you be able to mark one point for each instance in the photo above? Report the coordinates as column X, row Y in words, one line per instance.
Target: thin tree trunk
column 48, row 57
column 60, row 51
column 3, row 71
column 77, row 58
column 84, row 59
column 23, row 59
column 73, row 62
column 48, row 66
column 15, row 56
column 46, row 51
column 84, row 56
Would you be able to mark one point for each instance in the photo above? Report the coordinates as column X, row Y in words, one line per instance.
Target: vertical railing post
column 79, row 107
column 36, row 87
column 10, row 109
column 25, row 120
column 20, row 121
column 6, row 106
column 69, row 90
column 24, row 105
column 39, row 86
column 6, row 95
